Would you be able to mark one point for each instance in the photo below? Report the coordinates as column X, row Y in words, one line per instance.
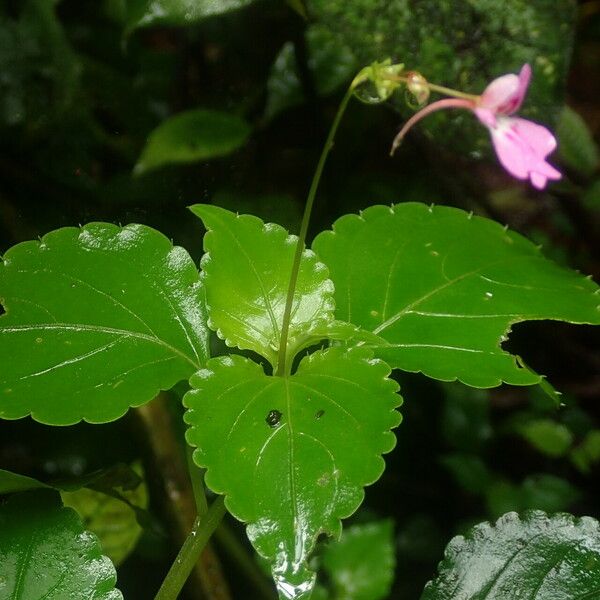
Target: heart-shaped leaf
column 292, row 454
column 538, row 557
column 246, row 273
column 46, row 553
column 98, row 319
column 443, row 288
column 192, row 136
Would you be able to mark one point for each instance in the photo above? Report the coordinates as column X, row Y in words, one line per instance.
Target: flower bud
column 417, row 85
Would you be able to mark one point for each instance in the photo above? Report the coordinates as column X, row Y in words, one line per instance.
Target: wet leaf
column 443, row 288
column 533, row 556
column 150, row 13
column 292, row 454
column 45, row 552
column 361, row 565
column 192, row 136
column 98, row 319
column 246, row 272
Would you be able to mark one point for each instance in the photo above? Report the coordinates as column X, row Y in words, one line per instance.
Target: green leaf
column 192, row 136
column 463, row 45
column 469, row 471
column 292, row 454
column 443, row 288
column 548, row 493
column 331, row 64
column 112, row 520
column 98, row 319
column 45, row 552
column 534, row 556
column 14, row 482
column 576, row 145
column 150, row 13
column 587, row 453
column 361, row 565
column 246, row 272
column 547, row 436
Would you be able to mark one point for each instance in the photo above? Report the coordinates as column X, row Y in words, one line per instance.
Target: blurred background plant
column 131, row 110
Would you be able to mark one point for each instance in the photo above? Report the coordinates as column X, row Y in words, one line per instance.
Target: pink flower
column 521, row 145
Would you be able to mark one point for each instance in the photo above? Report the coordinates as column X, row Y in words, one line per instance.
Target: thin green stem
column 190, row 551
column 438, row 88
column 197, row 481
column 282, row 367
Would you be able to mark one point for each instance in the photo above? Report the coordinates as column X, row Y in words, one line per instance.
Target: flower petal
column 522, row 147
column 504, row 95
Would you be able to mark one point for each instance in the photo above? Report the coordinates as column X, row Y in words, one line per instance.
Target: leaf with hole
column 534, row 556
column 45, row 552
column 443, row 288
column 246, row 274
column 192, row 136
column 292, row 454
column 98, row 319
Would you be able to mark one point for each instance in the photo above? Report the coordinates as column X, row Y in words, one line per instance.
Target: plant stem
column 191, row 550
column 197, row 481
column 285, row 325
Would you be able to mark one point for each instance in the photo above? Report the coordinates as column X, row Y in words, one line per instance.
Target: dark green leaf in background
column 192, row 136
column 535, row 556
column 98, row 319
column 361, row 565
column 576, row 146
column 46, row 553
column 246, row 272
column 331, row 63
column 149, row 13
column 292, row 454
column 443, row 288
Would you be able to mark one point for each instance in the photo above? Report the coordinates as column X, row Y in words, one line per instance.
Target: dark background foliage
column 81, row 89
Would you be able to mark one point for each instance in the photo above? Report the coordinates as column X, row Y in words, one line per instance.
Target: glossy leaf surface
column 98, row 319
column 149, row 13
column 292, row 454
column 361, row 565
column 192, row 136
column 536, row 556
column 45, row 552
column 246, row 272
column 443, row 288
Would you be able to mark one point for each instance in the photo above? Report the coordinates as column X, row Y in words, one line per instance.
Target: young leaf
column 11, row 483
column 292, row 453
column 443, row 288
column 150, row 13
column 246, row 273
column 98, row 319
column 535, row 556
column 192, row 136
column 45, row 552
column 361, row 565
column 111, row 519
